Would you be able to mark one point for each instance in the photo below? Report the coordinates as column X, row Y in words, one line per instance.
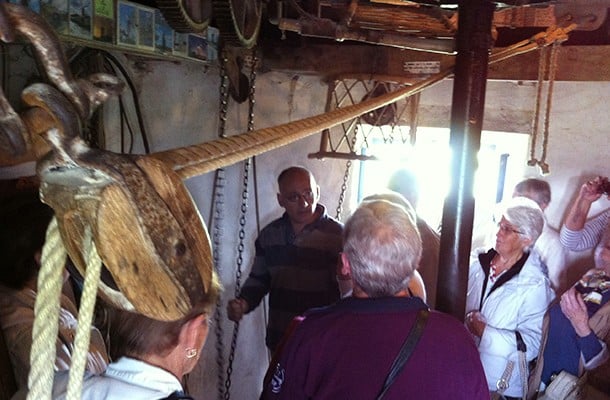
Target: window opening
column 502, row 162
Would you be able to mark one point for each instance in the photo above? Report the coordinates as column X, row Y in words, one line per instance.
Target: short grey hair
column 536, row 189
column 525, row 215
column 383, row 246
column 396, row 198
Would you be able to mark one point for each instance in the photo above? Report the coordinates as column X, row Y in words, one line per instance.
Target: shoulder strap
column 406, row 350
column 178, row 396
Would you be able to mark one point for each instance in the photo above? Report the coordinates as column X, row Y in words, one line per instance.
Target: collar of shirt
column 143, row 374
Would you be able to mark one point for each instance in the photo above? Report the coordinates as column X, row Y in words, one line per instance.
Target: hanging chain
column 219, row 184
column 348, row 166
column 242, row 225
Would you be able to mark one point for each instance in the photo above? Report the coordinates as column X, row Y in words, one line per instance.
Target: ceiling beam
column 575, row 63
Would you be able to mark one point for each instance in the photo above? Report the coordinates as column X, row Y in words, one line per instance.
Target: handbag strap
column 406, row 350
column 523, row 368
column 502, row 383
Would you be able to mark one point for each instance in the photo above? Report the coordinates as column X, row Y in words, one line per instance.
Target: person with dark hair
column 23, row 223
column 508, row 294
column 347, row 350
column 296, row 257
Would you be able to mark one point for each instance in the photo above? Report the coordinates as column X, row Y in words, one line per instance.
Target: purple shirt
column 345, row 351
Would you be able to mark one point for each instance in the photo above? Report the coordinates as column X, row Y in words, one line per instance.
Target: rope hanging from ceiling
column 547, row 65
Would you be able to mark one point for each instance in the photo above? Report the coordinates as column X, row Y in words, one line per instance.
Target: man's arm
column 255, row 288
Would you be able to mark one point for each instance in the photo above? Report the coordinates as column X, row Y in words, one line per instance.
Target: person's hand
column 475, row 323
column 236, row 309
column 590, row 190
column 574, row 308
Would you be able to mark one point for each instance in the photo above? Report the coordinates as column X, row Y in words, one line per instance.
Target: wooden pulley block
column 135, row 209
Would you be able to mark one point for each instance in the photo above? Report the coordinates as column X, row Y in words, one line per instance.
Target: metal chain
column 218, row 215
column 348, row 166
column 242, row 227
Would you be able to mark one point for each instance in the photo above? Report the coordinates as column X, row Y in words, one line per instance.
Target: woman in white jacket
column 508, row 294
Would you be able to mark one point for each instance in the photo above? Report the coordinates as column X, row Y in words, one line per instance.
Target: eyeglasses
column 508, row 229
column 294, row 197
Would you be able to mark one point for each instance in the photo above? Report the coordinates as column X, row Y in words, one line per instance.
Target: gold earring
column 190, row 353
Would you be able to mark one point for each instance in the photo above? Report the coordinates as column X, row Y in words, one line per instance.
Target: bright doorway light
column 501, row 158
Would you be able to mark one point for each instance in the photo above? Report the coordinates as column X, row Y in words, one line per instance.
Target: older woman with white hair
column 508, row 294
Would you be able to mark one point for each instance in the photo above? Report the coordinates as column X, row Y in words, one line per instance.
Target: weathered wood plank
column 575, row 63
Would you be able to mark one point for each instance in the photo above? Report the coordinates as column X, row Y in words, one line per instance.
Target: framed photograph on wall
column 197, row 46
column 103, row 20
column 180, row 44
column 80, row 23
column 164, row 35
column 127, row 24
column 33, row 5
column 55, row 12
column 146, row 28
column 213, row 35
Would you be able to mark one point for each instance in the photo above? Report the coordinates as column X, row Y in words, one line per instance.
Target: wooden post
column 470, row 76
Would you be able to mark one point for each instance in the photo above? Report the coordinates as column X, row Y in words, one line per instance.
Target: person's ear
column 346, row 268
column 280, row 200
column 38, row 257
column 194, row 333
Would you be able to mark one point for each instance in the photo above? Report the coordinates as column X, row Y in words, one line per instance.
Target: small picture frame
column 127, row 26
column 213, row 35
column 164, row 35
column 80, row 22
column 180, row 44
column 103, row 21
column 33, row 5
column 197, row 46
column 146, row 28
column 55, row 12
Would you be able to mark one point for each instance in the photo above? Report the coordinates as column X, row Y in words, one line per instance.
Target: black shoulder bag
column 406, row 350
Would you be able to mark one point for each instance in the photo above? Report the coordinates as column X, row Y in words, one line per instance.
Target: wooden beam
column 576, row 63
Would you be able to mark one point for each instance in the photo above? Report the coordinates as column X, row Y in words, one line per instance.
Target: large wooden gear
column 186, row 16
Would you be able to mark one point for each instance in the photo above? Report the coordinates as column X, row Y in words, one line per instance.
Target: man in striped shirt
column 296, row 257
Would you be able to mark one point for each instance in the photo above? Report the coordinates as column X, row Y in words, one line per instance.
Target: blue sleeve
column 589, row 346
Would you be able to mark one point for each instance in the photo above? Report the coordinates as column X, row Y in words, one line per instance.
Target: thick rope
column 542, row 66
column 85, row 320
column 544, row 167
column 202, row 158
column 46, row 311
